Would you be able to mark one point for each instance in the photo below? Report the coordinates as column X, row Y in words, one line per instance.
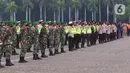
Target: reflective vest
column 89, row 31
column 78, row 31
column 39, row 29
column 73, row 31
column 84, row 31
column 95, row 29
column 18, row 30
column 66, row 29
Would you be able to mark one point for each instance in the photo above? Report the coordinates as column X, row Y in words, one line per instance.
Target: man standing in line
column 43, row 39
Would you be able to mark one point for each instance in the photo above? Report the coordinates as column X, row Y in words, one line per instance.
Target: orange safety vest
column 128, row 26
column 125, row 28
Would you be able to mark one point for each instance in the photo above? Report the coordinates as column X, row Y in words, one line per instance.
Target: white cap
column 40, row 20
column 70, row 22
column 18, row 21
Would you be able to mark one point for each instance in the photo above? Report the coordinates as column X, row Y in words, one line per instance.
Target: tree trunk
column 14, row 17
column 54, row 15
column 75, row 14
column 41, row 12
column 100, row 12
column 69, row 14
column 85, row 14
column 62, row 13
column 27, row 13
column 11, row 15
column 59, row 16
column 45, row 13
column 107, row 13
column 115, row 19
column 92, row 15
column 95, row 16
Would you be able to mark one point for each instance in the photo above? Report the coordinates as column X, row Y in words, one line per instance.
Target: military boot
column 57, row 52
column 43, row 55
column 51, row 53
column 8, row 63
column 37, row 57
column 34, row 57
column 14, row 52
column 22, row 60
column 62, row 50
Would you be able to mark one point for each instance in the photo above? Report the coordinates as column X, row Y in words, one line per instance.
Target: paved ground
column 113, row 57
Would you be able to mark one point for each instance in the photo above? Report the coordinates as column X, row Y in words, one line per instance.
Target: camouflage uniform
column 1, row 44
column 43, row 41
column 14, row 37
column 35, row 36
column 24, row 43
column 30, row 39
column 8, row 44
column 51, row 40
column 62, row 38
column 57, row 39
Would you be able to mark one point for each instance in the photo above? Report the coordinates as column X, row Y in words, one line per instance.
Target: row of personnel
column 50, row 35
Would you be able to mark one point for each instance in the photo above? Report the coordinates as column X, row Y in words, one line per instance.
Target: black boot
column 22, row 60
column 62, row 50
column 57, row 52
column 29, row 50
column 1, row 66
column 51, row 53
column 14, row 52
column 8, row 63
column 37, row 57
column 43, row 55
column 34, row 57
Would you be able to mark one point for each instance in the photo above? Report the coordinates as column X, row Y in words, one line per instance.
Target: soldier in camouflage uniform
column 56, row 37
column 62, row 37
column 8, row 42
column 1, row 44
column 30, row 37
column 14, row 36
column 24, row 42
column 35, row 36
column 51, row 38
column 43, row 40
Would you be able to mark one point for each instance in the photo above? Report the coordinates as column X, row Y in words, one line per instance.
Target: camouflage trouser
column 51, row 44
column 57, row 43
column 36, row 48
column 23, row 51
column 1, row 52
column 8, row 51
column 62, row 40
column 43, row 47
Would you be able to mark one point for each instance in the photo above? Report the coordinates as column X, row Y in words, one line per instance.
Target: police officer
column 71, row 37
column 83, row 35
column 89, row 32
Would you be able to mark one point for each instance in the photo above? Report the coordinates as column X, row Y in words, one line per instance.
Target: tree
column 27, row 5
column 11, row 8
column 92, row 6
column 60, row 6
column 84, row 2
column 76, row 4
column 108, row 3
